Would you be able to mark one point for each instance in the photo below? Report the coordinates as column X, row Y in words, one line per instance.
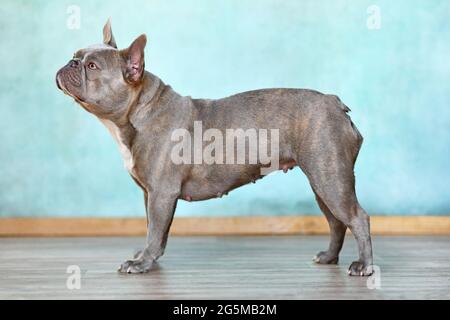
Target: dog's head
column 102, row 78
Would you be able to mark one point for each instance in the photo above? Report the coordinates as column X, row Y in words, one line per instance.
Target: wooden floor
column 223, row 268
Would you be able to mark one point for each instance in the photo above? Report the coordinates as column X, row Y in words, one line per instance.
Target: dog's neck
column 142, row 100
column 149, row 98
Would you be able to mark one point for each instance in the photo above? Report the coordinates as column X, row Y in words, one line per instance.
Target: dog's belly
column 215, row 181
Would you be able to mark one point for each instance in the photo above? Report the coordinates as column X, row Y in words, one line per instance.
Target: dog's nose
column 74, row 63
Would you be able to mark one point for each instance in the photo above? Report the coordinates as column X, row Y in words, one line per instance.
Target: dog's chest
column 124, row 151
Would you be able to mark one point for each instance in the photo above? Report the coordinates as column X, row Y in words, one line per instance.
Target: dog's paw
column 358, row 268
column 324, row 257
column 136, row 266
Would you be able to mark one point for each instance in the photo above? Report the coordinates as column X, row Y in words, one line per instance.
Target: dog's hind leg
column 337, row 234
column 336, row 191
column 327, row 158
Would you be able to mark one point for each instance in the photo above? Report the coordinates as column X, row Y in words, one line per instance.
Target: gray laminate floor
column 223, row 268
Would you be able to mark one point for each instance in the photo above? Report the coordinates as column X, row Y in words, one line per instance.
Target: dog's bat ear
column 134, row 58
column 108, row 37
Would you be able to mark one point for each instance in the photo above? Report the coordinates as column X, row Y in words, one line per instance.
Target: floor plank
column 223, row 268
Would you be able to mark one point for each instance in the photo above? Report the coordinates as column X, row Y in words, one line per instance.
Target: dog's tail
column 355, row 132
column 340, row 103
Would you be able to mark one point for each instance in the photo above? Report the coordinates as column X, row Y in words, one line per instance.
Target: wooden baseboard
column 261, row 225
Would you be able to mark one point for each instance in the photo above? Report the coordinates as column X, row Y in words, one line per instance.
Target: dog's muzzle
column 70, row 74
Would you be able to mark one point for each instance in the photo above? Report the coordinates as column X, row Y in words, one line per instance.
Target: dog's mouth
column 61, row 86
column 59, row 83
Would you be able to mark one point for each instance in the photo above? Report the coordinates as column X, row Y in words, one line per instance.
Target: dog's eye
column 92, row 66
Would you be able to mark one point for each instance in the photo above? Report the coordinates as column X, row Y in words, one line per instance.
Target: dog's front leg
column 160, row 211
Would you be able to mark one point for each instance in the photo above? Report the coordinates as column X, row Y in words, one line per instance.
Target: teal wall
column 58, row 160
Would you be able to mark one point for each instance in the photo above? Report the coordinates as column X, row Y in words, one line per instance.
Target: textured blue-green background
column 58, row 160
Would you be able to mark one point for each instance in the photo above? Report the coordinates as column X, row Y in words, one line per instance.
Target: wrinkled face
column 94, row 79
column 102, row 78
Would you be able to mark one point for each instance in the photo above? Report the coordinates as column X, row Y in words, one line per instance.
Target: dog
column 142, row 113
